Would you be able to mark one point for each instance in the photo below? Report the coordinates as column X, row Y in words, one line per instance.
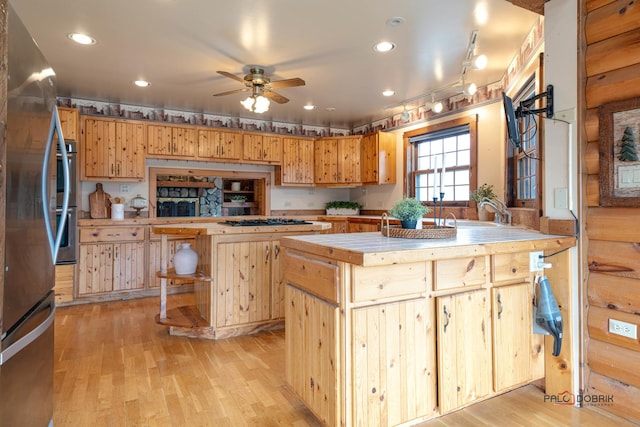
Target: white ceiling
column 178, row 45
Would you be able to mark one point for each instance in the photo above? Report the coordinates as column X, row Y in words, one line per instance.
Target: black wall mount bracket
column 524, row 107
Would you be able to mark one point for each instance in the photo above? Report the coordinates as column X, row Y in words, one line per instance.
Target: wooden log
column 592, row 158
column 619, row 51
column 598, row 327
column 594, row 4
column 593, row 190
column 614, row 292
column 615, row 85
column 625, row 397
column 612, row 19
column 614, row 258
column 618, row 225
column 615, row 362
column 592, row 125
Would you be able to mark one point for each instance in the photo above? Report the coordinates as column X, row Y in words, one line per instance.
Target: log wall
column 612, row 70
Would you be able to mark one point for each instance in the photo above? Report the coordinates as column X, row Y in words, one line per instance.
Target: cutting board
column 99, row 203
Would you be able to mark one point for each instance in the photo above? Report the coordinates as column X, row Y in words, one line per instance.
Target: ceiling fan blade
column 231, row 92
column 276, row 97
column 287, row 83
column 231, row 76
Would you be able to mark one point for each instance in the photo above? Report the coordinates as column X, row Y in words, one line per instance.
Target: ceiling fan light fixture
column 261, row 105
column 248, row 103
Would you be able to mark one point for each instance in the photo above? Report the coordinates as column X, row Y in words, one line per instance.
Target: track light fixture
column 405, row 115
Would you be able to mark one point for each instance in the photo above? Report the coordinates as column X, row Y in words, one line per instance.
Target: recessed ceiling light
column 142, row 83
column 330, row 109
column 384, row 47
column 82, row 38
column 388, row 92
column 309, row 107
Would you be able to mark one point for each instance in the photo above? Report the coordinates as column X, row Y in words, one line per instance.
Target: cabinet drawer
column 111, row 234
column 317, row 276
column 510, row 267
column 460, row 273
column 388, row 281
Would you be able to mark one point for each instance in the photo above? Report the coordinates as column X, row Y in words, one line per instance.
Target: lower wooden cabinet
column 312, row 370
column 64, row 283
column 464, row 348
column 518, row 356
column 108, row 267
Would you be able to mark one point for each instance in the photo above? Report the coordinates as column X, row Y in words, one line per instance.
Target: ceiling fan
column 260, row 84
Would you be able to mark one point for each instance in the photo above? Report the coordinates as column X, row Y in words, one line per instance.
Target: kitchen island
column 387, row 331
column 237, row 285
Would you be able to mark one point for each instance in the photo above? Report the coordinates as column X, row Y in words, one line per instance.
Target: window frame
column 409, row 189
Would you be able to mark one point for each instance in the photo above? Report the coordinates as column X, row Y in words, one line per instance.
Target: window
column 450, row 146
column 526, row 161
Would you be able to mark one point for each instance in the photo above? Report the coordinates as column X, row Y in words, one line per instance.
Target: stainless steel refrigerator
column 31, row 239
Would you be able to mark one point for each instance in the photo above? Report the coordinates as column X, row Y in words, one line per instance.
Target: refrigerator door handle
column 54, row 242
column 20, row 344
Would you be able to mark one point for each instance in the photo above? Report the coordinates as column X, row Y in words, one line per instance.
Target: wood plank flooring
column 114, row 366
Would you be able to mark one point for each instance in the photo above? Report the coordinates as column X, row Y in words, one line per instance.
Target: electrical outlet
column 124, row 188
column 624, row 329
column 534, row 259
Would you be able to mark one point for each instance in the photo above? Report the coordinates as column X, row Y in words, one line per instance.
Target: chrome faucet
column 503, row 215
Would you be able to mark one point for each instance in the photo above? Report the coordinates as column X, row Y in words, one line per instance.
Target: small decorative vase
column 409, row 223
column 185, row 260
column 484, row 215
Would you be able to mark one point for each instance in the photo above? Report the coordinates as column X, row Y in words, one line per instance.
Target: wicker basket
column 427, row 232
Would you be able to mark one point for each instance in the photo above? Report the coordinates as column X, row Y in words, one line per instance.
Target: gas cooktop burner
column 268, row 221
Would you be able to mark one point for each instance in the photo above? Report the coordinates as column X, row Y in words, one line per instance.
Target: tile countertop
column 375, row 249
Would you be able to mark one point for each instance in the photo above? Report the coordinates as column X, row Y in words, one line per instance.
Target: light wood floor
column 115, row 367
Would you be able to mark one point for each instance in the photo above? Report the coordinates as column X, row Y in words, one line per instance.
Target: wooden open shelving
column 185, row 184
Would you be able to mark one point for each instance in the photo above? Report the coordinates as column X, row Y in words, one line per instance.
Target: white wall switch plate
column 534, row 260
column 124, row 188
column 624, row 329
column 560, row 198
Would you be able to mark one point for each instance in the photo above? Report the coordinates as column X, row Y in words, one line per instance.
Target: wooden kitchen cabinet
column 362, row 227
column 219, row 145
column 518, row 353
column 297, row 162
column 63, row 289
column 378, row 158
column 262, row 148
column 70, row 122
column 111, row 259
column 464, row 329
column 337, row 160
column 168, row 142
column 112, row 149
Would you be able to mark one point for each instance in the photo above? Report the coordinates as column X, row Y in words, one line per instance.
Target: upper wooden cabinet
column 166, row 141
column 297, row 162
column 378, row 158
column 219, row 145
column 112, row 149
column 262, row 148
column 69, row 120
column 337, row 160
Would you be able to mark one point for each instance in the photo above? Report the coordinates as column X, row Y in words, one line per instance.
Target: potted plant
column 408, row 210
column 343, row 208
column 485, row 191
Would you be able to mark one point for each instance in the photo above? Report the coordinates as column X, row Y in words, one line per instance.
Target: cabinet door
column 230, row 145
column 99, row 146
column 252, row 146
column 325, row 161
column 312, row 369
column 360, row 227
column 464, row 350
column 95, row 268
column 128, row 266
column 387, row 392
column 158, row 140
column 130, row 151
column 271, row 149
column 242, row 280
column 518, row 353
column 277, row 283
column 297, row 161
column 369, row 159
column 69, row 123
column 349, row 160
column 378, row 157
column 184, row 141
